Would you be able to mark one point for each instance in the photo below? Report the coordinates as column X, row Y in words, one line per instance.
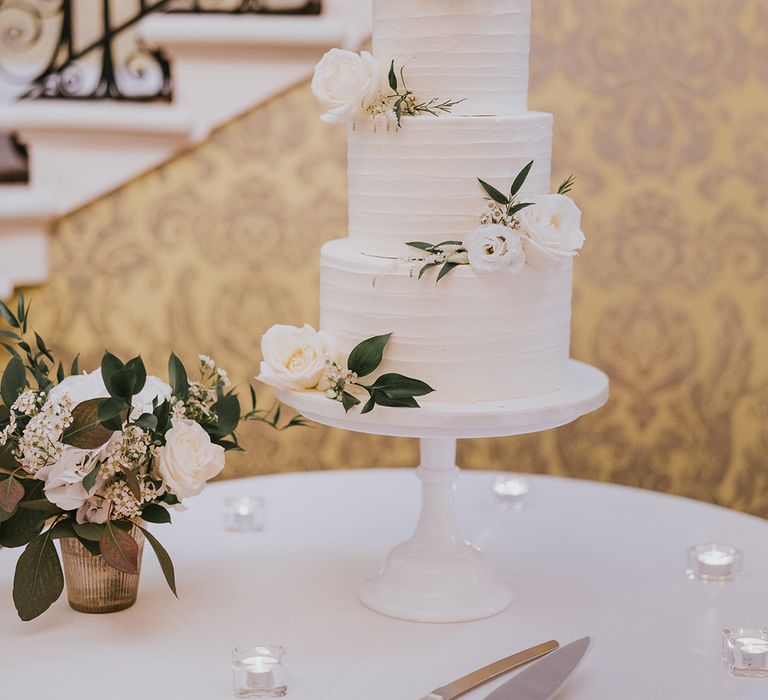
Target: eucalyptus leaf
column 86, row 430
column 11, row 493
column 139, row 371
column 92, row 532
column 367, row 356
column 109, row 365
column 119, row 549
column 38, row 581
column 25, row 524
column 166, row 565
column 520, row 180
column 62, row 530
column 493, row 193
column 147, row 421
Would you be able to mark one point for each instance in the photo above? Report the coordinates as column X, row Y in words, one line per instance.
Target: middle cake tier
column 419, row 183
column 472, row 337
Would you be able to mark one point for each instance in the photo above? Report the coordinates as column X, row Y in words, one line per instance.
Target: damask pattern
column 661, row 108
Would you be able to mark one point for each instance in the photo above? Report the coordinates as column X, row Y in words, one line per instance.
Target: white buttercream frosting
column 419, row 183
column 473, row 337
column 454, row 49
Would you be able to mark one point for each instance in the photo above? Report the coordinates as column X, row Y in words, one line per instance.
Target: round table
column 584, row 559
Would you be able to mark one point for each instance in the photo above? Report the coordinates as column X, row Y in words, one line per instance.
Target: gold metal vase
column 93, row 586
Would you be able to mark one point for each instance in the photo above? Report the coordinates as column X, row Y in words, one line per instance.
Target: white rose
column 551, row 229
column 343, row 82
column 294, row 358
column 493, row 247
column 83, row 387
column 188, row 458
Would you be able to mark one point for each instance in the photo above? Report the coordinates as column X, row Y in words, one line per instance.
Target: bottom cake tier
column 472, row 336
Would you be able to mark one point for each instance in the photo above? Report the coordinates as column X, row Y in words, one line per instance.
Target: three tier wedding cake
column 458, row 265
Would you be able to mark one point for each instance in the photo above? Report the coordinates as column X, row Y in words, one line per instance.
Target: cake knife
column 487, row 673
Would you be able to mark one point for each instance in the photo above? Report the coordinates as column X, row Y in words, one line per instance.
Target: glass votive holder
column 244, row 514
column 511, row 490
column 745, row 651
column 713, row 562
column 259, row 671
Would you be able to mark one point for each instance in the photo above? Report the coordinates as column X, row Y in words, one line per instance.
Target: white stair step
column 25, row 219
column 225, row 65
column 79, row 151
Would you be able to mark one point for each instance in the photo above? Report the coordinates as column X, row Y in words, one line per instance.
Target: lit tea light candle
column 511, row 489
column 746, row 651
column 259, row 671
column 244, row 514
column 713, row 562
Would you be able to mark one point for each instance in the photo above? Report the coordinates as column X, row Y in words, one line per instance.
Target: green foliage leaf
column 92, row 532
column 86, row 430
column 447, row 267
column 163, row 414
column 62, row 530
column 139, row 374
column 177, row 377
column 147, row 421
column 154, row 513
column 427, row 267
column 12, row 350
column 493, row 193
column 60, row 373
column 13, row 382
column 520, row 180
column 227, row 410
column 367, row 356
column 119, row 549
column 133, row 483
column 38, row 581
column 518, row 207
column 392, row 77
column 406, row 402
column 11, row 493
column 567, row 185
column 369, row 405
column 89, row 480
column 421, row 245
column 349, row 401
column 42, row 505
column 166, row 565
column 398, row 386
column 109, row 365
column 8, row 315
column 41, row 346
column 7, row 459
column 75, row 369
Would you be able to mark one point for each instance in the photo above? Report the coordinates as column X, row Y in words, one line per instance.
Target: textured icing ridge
column 453, row 49
column 473, row 337
column 420, row 183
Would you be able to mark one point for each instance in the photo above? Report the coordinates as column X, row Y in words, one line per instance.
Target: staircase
column 90, row 99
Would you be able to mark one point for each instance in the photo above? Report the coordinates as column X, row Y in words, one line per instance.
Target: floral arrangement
column 353, row 85
column 90, row 455
column 301, row 359
column 545, row 232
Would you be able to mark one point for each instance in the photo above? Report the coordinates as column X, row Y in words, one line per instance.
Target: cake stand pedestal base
column 436, row 576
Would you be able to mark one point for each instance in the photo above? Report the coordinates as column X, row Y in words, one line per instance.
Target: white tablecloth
column 585, row 559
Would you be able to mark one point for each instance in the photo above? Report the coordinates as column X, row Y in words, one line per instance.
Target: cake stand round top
column 585, row 390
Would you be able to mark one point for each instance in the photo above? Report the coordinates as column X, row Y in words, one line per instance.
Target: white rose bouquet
column 89, row 456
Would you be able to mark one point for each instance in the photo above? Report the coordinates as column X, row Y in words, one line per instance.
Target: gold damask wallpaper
column 661, row 108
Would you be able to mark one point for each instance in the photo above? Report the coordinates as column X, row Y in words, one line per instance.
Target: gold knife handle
column 491, row 671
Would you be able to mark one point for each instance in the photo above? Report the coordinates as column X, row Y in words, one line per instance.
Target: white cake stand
column 437, row 576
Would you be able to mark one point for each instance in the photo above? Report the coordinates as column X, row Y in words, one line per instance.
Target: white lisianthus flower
column 492, row 247
column 294, row 358
column 551, row 229
column 188, row 459
column 64, row 477
column 343, row 82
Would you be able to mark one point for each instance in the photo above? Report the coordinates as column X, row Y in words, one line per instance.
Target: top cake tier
column 476, row 50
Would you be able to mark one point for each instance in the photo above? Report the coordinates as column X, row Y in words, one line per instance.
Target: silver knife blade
column 487, row 673
column 542, row 680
